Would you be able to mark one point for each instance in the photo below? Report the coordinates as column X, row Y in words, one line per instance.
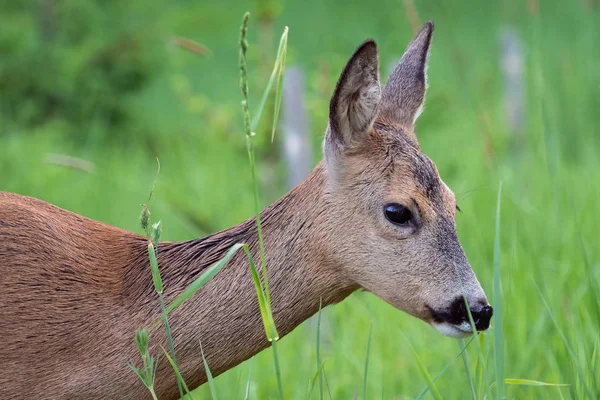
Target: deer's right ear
column 354, row 103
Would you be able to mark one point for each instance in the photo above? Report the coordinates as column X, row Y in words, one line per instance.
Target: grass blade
column 434, row 391
column 265, row 297
column 211, row 382
column 247, row 394
column 319, row 361
column 480, row 353
column 157, row 281
column 277, row 67
column 204, row 278
column 567, row 345
column 154, row 267
column 265, row 312
column 279, row 89
column 177, row 373
column 498, row 339
column 528, row 382
column 237, row 381
column 312, row 382
column 277, row 369
column 366, row 374
column 262, row 287
column 467, row 368
column 439, row 374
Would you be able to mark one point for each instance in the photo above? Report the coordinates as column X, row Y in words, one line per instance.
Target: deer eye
column 398, row 214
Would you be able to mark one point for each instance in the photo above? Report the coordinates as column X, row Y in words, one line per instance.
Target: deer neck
column 224, row 315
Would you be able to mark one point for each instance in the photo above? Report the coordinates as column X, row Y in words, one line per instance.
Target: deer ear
column 404, row 94
column 354, row 103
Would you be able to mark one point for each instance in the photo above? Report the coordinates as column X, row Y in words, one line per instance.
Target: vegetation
column 111, row 84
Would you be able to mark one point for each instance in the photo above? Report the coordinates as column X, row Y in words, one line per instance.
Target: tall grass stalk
column 247, row 392
column 463, row 346
column 319, row 361
column 147, row 373
column 574, row 359
column 311, row 383
column 277, row 368
column 177, row 373
column 366, row 373
column 153, row 241
column 262, row 288
column 203, row 279
column 498, row 339
column 211, row 381
column 446, row 367
column 430, row 382
column 480, row 352
column 158, row 287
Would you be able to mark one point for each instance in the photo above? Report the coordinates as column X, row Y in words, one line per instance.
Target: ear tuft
column 404, row 93
column 354, row 103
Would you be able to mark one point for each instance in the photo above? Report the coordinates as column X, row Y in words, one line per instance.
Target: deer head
column 394, row 217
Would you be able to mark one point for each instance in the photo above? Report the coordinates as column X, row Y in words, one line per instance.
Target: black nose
column 482, row 317
column 457, row 314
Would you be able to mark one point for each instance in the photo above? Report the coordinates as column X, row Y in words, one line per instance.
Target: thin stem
column 263, row 262
column 463, row 346
column 165, row 319
column 268, row 321
column 319, row 348
column 277, row 370
column 247, row 393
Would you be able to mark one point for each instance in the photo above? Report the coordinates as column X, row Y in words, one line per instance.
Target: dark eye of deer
column 398, row 214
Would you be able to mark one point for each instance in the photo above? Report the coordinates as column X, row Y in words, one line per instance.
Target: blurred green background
column 109, row 83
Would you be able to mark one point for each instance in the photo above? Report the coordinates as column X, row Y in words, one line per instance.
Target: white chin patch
column 454, row 331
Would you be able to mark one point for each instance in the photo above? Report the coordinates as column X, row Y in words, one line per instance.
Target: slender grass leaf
column 277, row 369
column 267, row 317
column 434, row 391
column 528, row 382
column 262, row 287
column 211, row 381
column 480, row 352
column 159, row 289
column 467, row 368
column 165, row 319
column 439, row 374
column 247, row 394
column 498, row 338
column 366, row 373
column 154, row 268
column 319, row 362
column 204, row 278
column 567, row 345
column 274, row 74
column 177, row 373
column 279, row 89
column 311, row 383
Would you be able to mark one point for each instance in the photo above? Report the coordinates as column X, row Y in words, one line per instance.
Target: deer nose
column 482, row 316
column 457, row 314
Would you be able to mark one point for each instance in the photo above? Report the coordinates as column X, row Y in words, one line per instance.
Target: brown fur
column 74, row 290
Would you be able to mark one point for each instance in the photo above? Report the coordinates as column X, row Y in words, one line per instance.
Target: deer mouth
column 456, row 321
column 457, row 331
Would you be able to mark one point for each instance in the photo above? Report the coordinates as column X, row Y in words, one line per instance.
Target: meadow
column 107, row 83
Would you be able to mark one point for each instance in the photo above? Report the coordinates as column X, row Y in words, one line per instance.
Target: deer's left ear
column 404, row 94
column 354, row 103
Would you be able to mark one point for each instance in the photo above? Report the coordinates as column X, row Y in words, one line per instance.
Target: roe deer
column 373, row 215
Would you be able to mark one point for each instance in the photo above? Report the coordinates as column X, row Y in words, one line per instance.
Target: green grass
column 547, row 270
